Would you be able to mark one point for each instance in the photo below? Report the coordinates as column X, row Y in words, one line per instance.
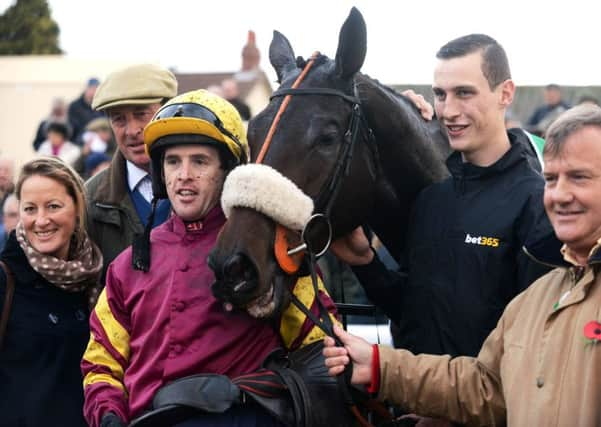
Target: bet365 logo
column 482, row 241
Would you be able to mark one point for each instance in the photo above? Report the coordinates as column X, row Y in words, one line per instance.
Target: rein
column 291, row 259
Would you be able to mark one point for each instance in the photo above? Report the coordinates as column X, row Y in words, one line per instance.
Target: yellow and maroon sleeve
column 105, row 360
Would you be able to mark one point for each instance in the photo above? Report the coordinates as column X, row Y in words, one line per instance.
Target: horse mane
column 412, row 153
column 394, row 94
column 434, row 147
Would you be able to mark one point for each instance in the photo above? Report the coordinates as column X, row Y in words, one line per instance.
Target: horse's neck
column 409, row 158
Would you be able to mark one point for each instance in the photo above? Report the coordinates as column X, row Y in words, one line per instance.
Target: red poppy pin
column 592, row 332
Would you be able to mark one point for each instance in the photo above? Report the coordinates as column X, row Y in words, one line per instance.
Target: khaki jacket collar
column 593, row 257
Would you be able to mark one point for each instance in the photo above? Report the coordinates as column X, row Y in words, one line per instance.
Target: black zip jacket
column 465, row 258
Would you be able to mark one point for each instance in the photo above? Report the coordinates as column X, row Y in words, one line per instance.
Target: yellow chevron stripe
column 95, row 378
column 293, row 319
column 96, row 354
column 117, row 335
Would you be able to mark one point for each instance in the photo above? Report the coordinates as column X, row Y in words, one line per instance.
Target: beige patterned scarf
column 79, row 273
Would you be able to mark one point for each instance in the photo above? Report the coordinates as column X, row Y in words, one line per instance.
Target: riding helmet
column 196, row 117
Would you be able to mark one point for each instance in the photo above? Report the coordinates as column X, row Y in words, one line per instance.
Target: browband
column 315, row 91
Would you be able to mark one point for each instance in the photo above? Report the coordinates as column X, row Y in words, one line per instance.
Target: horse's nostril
column 240, row 270
column 234, row 266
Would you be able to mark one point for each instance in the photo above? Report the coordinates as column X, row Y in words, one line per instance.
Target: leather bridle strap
column 314, row 91
column 327, row 196
column 282, row 108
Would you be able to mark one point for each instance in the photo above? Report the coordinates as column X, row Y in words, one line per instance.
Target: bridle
column 357, row 126
column 290, row 258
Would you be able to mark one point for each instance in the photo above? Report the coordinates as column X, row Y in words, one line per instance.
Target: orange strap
column 286, row 239
column 282, row 108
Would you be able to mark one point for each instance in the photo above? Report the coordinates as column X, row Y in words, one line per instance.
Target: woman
column 55, row 268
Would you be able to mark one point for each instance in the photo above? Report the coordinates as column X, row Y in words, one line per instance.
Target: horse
column 394, row 154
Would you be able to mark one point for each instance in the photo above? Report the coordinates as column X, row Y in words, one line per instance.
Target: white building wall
column 27, row 86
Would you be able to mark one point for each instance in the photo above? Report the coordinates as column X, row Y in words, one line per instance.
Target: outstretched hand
column 354, row 248
column 420, row 102
column 355, row 349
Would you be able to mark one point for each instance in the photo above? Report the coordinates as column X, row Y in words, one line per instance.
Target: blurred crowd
column 543, row 115
column 82, row 138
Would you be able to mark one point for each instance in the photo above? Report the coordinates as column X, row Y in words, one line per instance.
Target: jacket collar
column 212, row 222
column 464, row 170
column 594, row 256
column 546, row 250
column 17, row 261
column 112, row 190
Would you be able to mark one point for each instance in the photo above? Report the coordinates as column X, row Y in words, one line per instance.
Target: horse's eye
column 328, row 138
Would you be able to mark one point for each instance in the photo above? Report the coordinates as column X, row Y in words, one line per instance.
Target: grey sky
column 547, row 41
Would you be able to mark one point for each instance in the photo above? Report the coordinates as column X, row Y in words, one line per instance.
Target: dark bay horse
column 395, row 154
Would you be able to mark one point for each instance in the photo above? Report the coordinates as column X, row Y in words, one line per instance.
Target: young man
column 160, row 323
column 120, row 196
column 464, row 258
column 540, row 366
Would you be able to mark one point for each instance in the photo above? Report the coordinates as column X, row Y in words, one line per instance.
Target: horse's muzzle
column 237, row 279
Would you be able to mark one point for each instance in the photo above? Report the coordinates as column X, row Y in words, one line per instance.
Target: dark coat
column 40, row 380
column 40, row 134
column 465, row 260
column 541, row 112
column 80, row 114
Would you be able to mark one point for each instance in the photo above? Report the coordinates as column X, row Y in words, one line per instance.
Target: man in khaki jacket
column 541, row 366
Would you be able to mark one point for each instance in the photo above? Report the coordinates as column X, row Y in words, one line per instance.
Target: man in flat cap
column 119, row 198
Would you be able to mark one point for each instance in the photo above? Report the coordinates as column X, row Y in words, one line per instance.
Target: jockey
column 156, row 320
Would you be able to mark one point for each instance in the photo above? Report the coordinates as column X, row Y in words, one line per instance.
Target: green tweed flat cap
column 135, row 85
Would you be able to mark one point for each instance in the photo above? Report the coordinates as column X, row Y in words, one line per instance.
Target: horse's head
column 310, row 146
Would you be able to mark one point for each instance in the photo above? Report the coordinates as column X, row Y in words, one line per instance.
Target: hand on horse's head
column 354, row 248
column 424, row 107
column 355, row 350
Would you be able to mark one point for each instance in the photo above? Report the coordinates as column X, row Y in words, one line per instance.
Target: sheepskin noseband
column 262, row 188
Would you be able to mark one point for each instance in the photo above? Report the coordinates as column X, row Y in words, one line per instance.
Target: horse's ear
column 352, row 45
column 281, row 55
